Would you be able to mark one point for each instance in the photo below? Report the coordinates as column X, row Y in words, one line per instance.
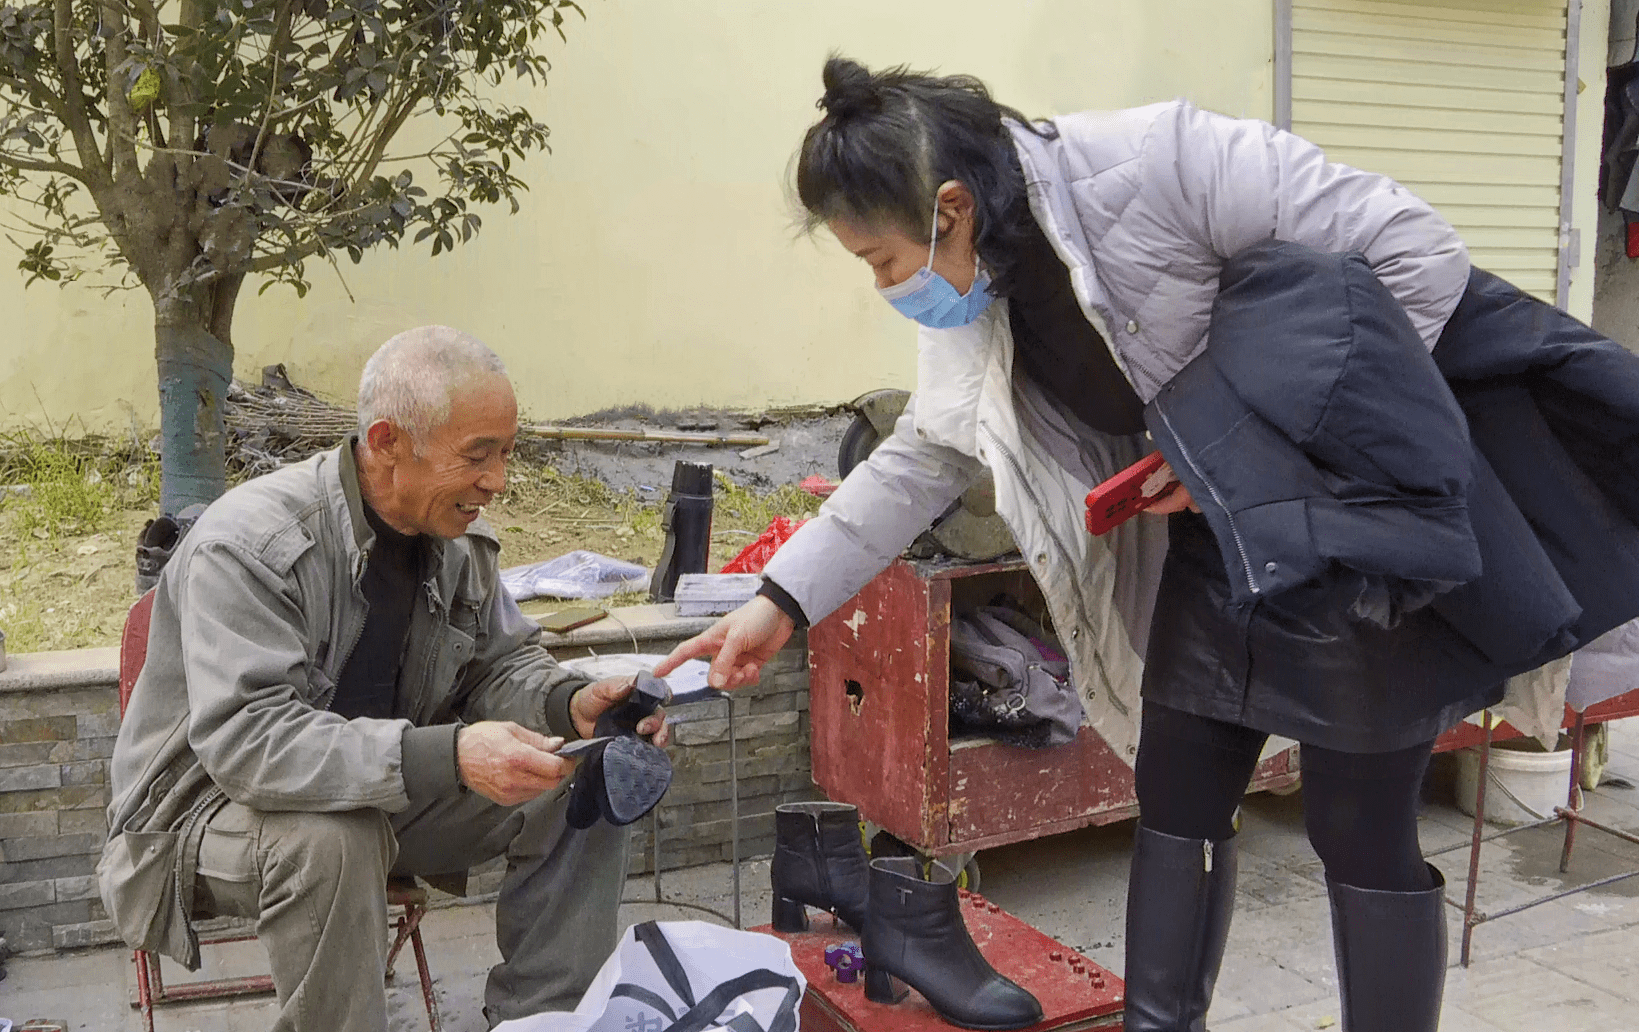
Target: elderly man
column 337, row 688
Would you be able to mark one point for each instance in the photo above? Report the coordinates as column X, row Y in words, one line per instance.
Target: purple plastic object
column 847, row 960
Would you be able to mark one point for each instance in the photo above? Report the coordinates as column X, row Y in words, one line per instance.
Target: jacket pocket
column 455, row 648
column 137, row 878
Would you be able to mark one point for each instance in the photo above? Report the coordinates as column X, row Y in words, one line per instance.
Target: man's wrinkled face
column 461, row 466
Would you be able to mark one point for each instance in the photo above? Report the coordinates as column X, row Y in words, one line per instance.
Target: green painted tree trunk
column 193, row 346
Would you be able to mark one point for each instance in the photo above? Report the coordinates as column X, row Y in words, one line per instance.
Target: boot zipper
column 1206, row 852
column 1234, row 531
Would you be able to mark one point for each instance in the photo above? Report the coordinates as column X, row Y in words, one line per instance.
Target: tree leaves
column 336, row 83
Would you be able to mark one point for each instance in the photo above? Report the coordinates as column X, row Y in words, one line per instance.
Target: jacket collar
column 952, row 367
column 363, row 536
column 347, row 468
column 349, row 504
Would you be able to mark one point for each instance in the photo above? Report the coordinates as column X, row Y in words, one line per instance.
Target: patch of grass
column 39, row 625
column 741, row 508
column 59, row 485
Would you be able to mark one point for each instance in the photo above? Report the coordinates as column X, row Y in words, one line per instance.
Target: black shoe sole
column 636, row 775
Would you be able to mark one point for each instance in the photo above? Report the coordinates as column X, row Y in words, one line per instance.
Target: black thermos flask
column 687, row 523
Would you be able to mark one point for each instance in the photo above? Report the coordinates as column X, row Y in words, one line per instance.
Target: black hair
column 889, row 139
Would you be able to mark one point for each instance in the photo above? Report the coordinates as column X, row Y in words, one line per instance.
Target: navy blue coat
column 1397, row 532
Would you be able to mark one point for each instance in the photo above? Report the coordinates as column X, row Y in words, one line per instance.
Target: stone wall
column 59, row 716
column 59, row 713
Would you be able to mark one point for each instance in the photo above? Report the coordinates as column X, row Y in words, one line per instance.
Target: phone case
column 1121, row 497
column 569, row 619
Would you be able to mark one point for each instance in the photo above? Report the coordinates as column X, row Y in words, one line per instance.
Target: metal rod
column 654, row 841
column 1504, row 833
column 1558, row 895
column 1569, row 242
column 590, row 433
column 734, row 806
column 1283, row 64
column 422, row 969
column 1619, row 833
column 1573, row 794
column 156, row 979
column 1474, row 845
column 144, row 995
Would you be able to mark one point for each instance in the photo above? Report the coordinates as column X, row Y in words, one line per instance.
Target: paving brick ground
column 1568, row 966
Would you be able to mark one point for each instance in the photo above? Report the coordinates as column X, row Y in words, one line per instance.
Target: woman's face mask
column 931, row 300
column 925, row 295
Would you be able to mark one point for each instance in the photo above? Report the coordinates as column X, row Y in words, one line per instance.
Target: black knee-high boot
column 1180, row 896
column 1391, row 956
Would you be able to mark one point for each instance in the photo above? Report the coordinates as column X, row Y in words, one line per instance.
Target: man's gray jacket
column 253, row 620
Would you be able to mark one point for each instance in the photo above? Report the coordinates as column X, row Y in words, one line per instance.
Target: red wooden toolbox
column 1074, row 992
column 879, row 685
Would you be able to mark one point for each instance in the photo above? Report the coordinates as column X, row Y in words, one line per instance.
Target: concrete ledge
column 86, row 668
column 54, row 671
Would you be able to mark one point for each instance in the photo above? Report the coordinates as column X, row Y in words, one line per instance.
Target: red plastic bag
column 757, row 554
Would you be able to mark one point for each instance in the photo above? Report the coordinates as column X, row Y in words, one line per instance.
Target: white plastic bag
column 577, row 574
column 685, row 976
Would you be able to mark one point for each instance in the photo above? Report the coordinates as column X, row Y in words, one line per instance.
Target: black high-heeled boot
column 820, row 862
column 1180, row 896
column 1391, row 956
column 915, row 933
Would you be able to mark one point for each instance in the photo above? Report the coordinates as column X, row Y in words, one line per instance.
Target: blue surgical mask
column 929, row 297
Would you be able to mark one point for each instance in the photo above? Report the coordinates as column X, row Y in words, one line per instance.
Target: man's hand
column 507, row 763
column 739, row 644
column 591, row 702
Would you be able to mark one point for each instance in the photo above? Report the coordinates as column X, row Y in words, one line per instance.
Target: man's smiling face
column 460, row 467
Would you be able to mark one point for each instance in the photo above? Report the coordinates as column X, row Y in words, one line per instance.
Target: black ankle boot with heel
column 914, row 933
column 819, row 862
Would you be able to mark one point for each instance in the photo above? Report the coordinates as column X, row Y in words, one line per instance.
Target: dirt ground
column 67, row 583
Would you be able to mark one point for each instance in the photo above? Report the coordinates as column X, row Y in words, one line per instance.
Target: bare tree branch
column 55, row 167
column 148, row 18
column 184, row 117
column 276, row 48
column 384, row 136
column 290, row 256
column 35, row 89
column 68, row 66
column 122, row 123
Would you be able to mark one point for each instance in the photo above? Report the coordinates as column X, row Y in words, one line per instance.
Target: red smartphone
column 1121, row 497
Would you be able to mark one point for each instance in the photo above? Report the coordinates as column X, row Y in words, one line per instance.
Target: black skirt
column 1301, row 666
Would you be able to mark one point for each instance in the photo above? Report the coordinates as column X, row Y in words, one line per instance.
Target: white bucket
column 1526, row 782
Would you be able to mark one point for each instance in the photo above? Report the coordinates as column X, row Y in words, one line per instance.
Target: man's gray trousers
column 316, row 885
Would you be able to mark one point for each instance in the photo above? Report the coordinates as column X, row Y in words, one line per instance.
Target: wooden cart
column 880, row 698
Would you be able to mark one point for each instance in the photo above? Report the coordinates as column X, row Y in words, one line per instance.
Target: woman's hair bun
column 850, row 89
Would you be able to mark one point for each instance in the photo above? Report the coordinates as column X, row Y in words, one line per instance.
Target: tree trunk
column 193, row 346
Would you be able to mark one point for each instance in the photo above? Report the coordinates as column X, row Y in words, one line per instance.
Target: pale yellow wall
column 654, row 259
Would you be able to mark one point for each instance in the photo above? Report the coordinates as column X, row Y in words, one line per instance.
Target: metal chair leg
column 145, row 993
column 427, row 996
column 407, row 926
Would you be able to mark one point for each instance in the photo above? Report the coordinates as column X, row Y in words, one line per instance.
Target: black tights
column 1360, row 808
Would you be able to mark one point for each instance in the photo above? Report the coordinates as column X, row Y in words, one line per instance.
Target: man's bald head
column 410, row 380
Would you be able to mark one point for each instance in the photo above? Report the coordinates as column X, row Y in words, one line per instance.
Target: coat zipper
column 1234, row 531
column 1206, row 852
column 1041, row 515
